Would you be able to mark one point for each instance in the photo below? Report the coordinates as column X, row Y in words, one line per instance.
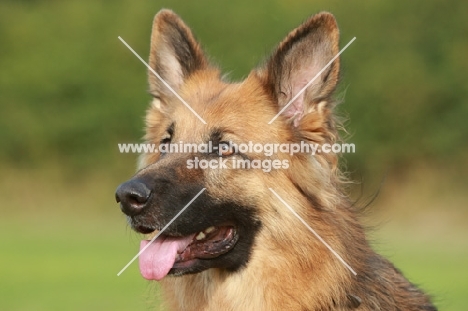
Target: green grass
column 57, row 265
column 436, row 263
column 439, row 266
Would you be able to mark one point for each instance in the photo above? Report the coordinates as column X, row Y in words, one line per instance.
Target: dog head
column 192, row 106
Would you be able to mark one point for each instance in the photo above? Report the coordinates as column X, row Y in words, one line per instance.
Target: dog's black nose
column 133, row 196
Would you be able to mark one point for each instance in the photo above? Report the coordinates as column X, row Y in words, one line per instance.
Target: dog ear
column 174, row 55
column 297, row 60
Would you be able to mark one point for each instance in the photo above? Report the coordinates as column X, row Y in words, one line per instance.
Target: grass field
column 438, row 265
column 53, row 266
column 65, row 253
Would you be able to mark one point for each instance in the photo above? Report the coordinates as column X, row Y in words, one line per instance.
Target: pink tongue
column 159, row 257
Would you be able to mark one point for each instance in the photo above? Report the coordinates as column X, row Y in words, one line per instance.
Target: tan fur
column 289, row 268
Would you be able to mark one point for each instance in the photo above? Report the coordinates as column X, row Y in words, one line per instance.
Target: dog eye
column 225, row 149
column 167, row 138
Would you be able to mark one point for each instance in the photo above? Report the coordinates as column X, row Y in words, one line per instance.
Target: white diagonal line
column 162, row 80
column 310, row 82
column 159, row 233
column 315, row 233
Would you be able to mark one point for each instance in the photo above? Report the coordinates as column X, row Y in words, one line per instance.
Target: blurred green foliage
column 70, row 91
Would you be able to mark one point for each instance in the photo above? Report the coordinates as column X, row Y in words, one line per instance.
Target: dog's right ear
column 174, row 55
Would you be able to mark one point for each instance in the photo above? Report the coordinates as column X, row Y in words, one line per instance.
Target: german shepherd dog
column 238, row 246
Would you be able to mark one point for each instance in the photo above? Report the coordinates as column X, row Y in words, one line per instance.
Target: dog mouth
column 168, row 253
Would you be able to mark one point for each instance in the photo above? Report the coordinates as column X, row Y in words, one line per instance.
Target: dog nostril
column 133, row 196
column 137, row 198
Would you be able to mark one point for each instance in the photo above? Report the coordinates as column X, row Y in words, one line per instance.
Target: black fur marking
column 184, row 49
column 216, row 136
column 313, row 200
column 170, row 129
column 170, row 195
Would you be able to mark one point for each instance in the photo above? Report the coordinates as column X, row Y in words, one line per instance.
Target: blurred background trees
column 70, row 90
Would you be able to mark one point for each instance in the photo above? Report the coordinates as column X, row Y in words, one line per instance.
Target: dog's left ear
column 296, row 61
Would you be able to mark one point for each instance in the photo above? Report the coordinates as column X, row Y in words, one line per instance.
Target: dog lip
column 143, row 229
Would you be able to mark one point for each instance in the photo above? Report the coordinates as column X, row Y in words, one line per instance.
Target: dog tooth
column 209, row 229
column 200, row 236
